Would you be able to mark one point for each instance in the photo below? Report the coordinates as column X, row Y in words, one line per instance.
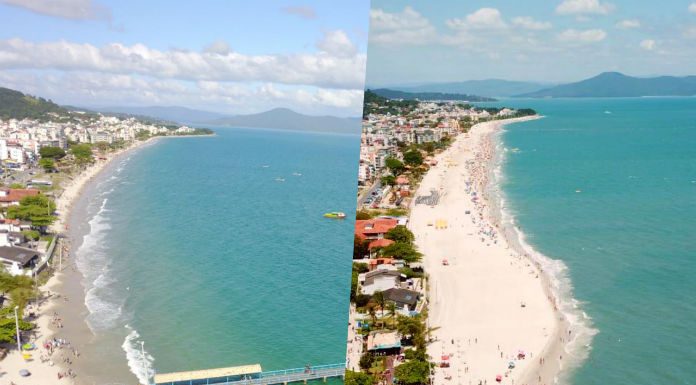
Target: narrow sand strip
column 46, row 371
column 490, row 302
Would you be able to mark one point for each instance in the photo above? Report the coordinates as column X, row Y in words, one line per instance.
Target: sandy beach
column 61, row 313
column 490, row 305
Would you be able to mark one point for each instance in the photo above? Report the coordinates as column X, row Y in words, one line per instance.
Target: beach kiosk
column 210, row 376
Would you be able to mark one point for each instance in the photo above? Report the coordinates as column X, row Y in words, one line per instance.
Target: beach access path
column 488, row 304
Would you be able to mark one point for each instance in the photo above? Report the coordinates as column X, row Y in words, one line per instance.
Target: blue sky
column 227, row 56
column 540, row 40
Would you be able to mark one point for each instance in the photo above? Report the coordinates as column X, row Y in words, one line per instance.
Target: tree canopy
column 35, row 208
column 401, row 250
column 82, row 152
column 413, row 158
column 400, row 233
column 47, row 164
column 413, row 372
column 51, row 152
column 358, row 378
column 394, row 165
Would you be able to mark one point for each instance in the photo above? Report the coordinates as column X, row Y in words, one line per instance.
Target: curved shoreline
column 557, row 285
column 485, row 338
column 61, row 315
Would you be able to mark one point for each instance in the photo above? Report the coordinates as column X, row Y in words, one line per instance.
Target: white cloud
column 484, row 18
column 337, row 43
column 68, row 9
column 628, row 24
column 405, row 27
column 334, row 69
column 575, row 36
column 100, row 89
column 648, row 44
column 304, row 12
column 531, row 24
column 584, row 7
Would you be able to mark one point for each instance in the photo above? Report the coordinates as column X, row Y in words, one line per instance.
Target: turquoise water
column 214, row 251
column 627, row 237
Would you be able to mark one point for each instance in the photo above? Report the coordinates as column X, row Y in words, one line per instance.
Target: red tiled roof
column 16, row 194
column 379, row 243
column 367, row 227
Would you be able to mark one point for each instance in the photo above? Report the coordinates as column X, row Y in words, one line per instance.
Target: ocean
column 213, row 252
column 607, row 189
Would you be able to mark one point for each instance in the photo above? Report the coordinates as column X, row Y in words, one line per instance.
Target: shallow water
column 608, row 186
column 214, row 252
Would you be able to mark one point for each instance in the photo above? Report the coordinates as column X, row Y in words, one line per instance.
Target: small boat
column 335, row 215
column 279, row 179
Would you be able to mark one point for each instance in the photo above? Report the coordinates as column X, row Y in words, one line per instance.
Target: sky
column 234, row 57
column 551, row 41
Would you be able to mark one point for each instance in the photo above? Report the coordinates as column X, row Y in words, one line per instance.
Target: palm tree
column 391, row 308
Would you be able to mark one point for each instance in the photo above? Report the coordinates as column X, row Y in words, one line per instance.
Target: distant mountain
column 174, row 114
column 283, row 118
column 615, row 84
column 395, row 94
column 16, row 105
column 491, row 87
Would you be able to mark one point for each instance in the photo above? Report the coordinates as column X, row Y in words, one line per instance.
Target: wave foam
column 556, row 272
column 140, row 362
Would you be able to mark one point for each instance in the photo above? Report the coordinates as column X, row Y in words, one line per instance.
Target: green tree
column 413, row 158
column 363, row 215
column 400, row 233
column 388, row 180
column 31, row 234
column 394, row 165
column 366, row 361
column 47, row 164
column 413, row 373
column 400, row 250
column 358, row 378
column 82, row 152
column 50, row 152
column 360, row 247
column 410, row 327
column 35, row 208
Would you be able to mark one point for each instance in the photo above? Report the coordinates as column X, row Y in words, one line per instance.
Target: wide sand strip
column 488, row 303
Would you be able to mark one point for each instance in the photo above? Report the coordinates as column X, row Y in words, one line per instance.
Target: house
column 404, row 299
column 380, row 279
column 17, row 259
column 376, row 228
column 384, row 343
column 12, row 196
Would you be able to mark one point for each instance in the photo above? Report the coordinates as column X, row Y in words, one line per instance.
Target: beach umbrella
column 445, row 357
column 511, row 365
column 498, row 378
column 24, row 373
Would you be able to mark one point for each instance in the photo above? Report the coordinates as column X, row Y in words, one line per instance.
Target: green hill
column 615, row 84
column 394, row 94
column 16, row 105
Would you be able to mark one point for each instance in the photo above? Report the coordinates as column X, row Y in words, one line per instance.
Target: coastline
column 492, row 285
column 62, row 309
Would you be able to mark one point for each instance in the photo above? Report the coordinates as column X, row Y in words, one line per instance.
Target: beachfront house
column 18, row 260
column 384, row 343
column 12, row 196
column 379, row 280
column 371, row 229
column 405, row 300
